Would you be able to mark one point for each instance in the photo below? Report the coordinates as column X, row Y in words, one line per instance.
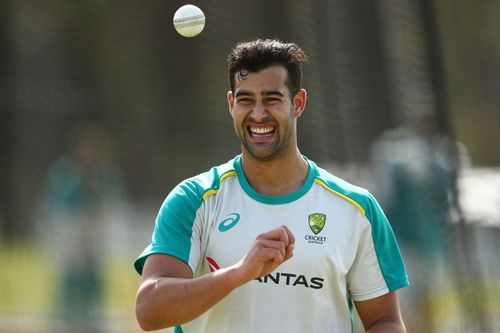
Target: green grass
column 29, row 283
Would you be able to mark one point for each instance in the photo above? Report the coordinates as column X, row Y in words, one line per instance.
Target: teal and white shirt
column 345, row 249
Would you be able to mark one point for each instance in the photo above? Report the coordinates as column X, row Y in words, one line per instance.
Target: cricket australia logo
column 316, row 223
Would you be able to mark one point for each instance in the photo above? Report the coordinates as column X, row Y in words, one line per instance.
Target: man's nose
column 259, row 112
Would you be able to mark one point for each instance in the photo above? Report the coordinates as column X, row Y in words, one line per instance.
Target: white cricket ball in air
column 189, row 20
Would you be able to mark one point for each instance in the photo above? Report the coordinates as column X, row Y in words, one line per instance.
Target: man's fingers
column 272, row 244
column 274, row 255
column 290, row 235
column 289, row 251
column 280, row 238
column 282, row 233
column 269, row 250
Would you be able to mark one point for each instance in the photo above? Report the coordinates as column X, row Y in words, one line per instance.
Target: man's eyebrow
column 273, row 92
column 266, row 93
column 240, row 93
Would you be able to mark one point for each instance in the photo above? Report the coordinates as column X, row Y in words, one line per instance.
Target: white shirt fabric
column 345, row 249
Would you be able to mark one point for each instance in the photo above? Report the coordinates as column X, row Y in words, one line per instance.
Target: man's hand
column 269, row 250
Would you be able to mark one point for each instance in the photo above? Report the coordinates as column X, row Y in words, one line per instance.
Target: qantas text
column 294, row 280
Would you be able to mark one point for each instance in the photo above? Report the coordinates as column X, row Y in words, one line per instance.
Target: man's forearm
column 164, row 302
column 167, row 301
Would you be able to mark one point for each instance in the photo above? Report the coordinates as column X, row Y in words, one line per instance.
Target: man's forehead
column 266, row 80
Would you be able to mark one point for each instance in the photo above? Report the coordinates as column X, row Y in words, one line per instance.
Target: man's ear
column 230, row 101
column 299, row 102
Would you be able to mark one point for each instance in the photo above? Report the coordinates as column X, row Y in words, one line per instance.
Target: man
column 414, row 171
column 268, row 241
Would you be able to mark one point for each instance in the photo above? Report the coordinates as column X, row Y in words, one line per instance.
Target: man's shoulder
column 356, row 195
column 209, row 180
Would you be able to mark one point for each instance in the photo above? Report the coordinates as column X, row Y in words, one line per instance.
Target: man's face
column 264, row 114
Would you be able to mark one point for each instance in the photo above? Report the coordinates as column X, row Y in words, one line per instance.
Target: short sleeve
column 378, row 267
column 174, row 232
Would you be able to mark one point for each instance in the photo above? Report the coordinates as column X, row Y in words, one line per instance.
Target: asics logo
column 229, row 222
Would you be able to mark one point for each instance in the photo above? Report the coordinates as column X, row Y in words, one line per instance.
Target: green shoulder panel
column 174, row 222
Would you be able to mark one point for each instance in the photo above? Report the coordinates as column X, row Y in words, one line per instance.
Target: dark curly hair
column 259, row 54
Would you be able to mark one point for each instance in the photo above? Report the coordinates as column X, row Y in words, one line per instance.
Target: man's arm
column 169, row 295
column 381, row 314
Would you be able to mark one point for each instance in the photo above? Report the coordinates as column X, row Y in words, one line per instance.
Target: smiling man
column 269, row 241
column 260, row 106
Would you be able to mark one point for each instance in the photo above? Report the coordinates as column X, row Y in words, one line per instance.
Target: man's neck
column 279, row 176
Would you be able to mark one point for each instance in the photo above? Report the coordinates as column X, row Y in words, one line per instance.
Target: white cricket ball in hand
column 189, row 20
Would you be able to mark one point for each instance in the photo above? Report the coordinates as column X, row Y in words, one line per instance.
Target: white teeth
column 262, row 130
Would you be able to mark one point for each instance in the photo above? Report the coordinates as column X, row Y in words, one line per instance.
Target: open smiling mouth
column 261, row 132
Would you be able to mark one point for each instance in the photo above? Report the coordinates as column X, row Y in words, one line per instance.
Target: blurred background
column 104, row 108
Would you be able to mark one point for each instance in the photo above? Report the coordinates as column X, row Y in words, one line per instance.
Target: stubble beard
column 267, row 151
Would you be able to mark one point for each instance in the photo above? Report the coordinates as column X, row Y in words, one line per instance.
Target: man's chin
column 261, row 153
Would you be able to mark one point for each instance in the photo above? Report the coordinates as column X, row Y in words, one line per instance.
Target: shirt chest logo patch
column 230, row 221
column 316, row 223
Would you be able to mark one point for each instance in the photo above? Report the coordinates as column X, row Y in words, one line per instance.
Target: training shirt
column 345, row 249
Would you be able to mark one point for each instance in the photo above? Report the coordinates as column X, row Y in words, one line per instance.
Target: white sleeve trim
column 370, row 295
